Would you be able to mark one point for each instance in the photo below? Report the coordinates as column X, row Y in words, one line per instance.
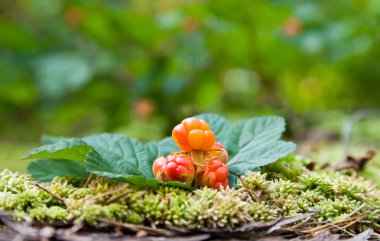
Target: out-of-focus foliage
column 137, row 66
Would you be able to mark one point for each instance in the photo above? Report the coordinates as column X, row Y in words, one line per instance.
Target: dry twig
column 50, row 192
column 112, row 191
column 114, row 199
column 88, row 180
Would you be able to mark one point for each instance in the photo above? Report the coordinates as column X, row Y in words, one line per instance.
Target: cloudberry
column 193, row 134
column 215, row 175
column 174, row 168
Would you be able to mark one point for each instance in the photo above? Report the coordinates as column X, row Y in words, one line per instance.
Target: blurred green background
column 71, row 68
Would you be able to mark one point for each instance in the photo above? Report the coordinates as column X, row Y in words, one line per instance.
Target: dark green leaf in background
column 44, row 170
column 61, row 73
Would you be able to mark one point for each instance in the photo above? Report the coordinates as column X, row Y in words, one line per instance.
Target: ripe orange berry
column 174, row 168
column 215, row 175
column 193, row 134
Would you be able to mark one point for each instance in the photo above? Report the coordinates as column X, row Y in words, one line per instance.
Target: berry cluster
column 202, row 161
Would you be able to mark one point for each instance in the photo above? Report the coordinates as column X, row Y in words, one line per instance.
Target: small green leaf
column 257, row 154
column 116, row 155
column 68, row 149
column 218, row 124
column 261, row 129
column 44, row 170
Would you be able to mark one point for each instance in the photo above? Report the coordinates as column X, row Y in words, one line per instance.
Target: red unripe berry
column 215, row 175
column 174, row 168
column 193, row 134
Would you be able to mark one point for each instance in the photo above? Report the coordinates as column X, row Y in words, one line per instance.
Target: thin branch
column 114, row 199
column 299, row 224
column 50, row 192
column 351, row 220
column 97, row 179
column 137, row 228
column 356, row 220
column 88, row 180
column 355, row 211
column 109, row 192
column 251, row 194
column 343, row 230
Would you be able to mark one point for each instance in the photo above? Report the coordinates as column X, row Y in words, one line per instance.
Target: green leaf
column 143, row 182
column 251, row 144
column 48, row 139
column 218, row 124
column 177, row 184
column 258, row 153
column 152, row 150
column 110, row 155
column 44, row 170
column 261, row 129
column 167, row 146
column 68, row 149
column 116, row 156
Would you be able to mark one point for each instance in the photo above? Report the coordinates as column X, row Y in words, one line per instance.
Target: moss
column 13, row 182
column 333, row 210
column 67, row 180
column 255, row 181
column 263, row 197
column 217, row 209
column 334, row 193
column 288, row 168
column 262, row 212
column 90, row 212
column 152, row 207
column 81, row 193
column 48, row 214
column 318, row 182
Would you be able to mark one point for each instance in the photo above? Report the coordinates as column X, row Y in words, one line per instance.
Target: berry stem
column 212, row 154
column 198, row 158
